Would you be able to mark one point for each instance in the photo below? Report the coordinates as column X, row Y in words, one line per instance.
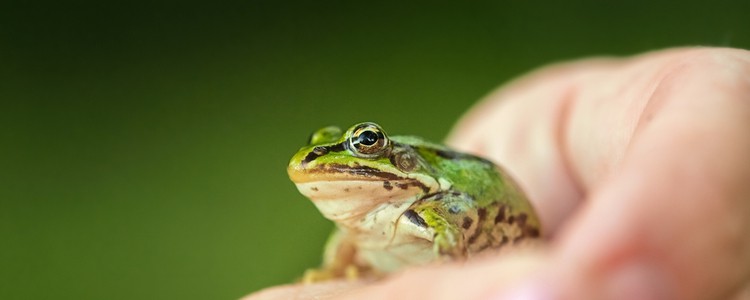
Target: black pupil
column 368, row 138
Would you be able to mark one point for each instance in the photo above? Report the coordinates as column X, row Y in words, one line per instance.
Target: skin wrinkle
column 640, row 107
column 572, row 122
column 595, row 166
column 567, row 102
column 566, row 106
column 651, row 108
column 545, row 165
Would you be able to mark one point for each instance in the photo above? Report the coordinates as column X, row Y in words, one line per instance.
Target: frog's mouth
column 338, row 172
column 350, row 200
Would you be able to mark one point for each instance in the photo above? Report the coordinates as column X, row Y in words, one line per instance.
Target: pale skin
column 639, row 169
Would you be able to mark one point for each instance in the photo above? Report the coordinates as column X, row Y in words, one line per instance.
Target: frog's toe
column 316, row 275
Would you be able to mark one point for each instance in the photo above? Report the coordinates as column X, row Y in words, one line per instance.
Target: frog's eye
column 368, row 140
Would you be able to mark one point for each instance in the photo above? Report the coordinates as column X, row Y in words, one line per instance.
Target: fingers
column 321, row 291
column 671, row 220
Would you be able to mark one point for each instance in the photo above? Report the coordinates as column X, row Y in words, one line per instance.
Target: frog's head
column 348, row 174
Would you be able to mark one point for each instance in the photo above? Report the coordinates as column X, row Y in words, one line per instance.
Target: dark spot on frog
column 511, row 219
column 521, row 219
column 346, row 190
column 456, row 193
column 314, row 189
column 482, row 212
column 387, row 185
column 527, row 231
column 504, row 240
column 500, row 217
column 402, row 186
column 467, row 222
column 415, row 218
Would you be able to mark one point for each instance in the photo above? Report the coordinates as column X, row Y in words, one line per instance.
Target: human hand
column 639, row 169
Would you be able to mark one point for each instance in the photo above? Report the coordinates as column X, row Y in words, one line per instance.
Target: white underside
column 372, row 216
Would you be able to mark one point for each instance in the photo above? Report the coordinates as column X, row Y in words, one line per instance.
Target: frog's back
column 476, row 176
column 496, row 195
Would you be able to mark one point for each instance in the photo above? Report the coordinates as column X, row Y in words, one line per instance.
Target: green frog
column 400, row 201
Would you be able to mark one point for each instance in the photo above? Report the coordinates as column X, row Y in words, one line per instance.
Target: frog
column 401, row 201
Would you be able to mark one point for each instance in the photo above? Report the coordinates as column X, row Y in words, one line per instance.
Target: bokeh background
column 143, row 145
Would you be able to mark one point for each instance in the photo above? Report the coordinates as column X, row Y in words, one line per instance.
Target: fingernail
column 639, row 281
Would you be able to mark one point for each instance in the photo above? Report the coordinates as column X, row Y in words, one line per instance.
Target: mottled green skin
column 470, row 174
column 451, row 205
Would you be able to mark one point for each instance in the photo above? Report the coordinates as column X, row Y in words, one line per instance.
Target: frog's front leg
column 450, row 215
column 338, row 260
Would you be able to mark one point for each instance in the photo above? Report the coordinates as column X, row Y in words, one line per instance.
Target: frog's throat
column 348, row 202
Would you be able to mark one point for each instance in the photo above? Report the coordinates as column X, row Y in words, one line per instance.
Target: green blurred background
column 143, row 146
